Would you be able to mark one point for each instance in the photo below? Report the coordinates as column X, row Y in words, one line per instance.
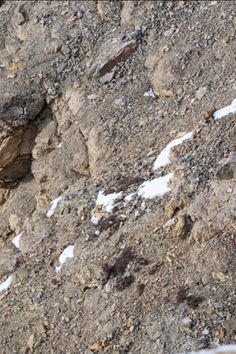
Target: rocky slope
column 117, row 176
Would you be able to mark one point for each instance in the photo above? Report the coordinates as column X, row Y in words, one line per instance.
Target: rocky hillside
column 117, row 176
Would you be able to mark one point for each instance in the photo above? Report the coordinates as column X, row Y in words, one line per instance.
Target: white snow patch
column 67, row 253
column 225, row 111
column 130, row 197
column 156, row 187
column 163, row 158
column 59, row 146
column 5, row 285
column 54, row 205
column 224, row 349
column 108, row 200
column 149, row 93
column 16, row 240
column 94, row 220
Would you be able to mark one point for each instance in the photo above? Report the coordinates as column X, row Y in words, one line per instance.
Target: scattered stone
column 209, row 114
column 186, row 325
column 219, row 276
column 96, row 347
column 107, row 77
column 93, row 96
column 119, row 102
column 201, row 92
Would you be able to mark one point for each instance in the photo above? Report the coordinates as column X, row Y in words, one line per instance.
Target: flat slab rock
column 111, row 54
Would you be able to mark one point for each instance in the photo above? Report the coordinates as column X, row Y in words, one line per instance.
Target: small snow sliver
column 68, row 253
column 6, row 284
column 54, row 205
column 223, row 349
column 16, row 240
column 225, row 111
column 163, row 158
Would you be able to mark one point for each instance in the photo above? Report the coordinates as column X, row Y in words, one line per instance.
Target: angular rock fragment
column 111, row 54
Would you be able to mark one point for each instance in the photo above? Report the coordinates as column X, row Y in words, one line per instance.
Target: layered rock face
column 117, row 177
column 19, row 108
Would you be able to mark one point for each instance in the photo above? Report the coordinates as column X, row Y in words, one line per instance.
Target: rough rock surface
column 20, row 106
column 91, row 94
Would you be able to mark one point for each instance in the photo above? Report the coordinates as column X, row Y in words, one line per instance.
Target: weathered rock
column 186, row 325
column 46, row 140
column 34, row 232
column 75, row 99
column 8, row 260
column 227, row 169
column 216, row 206
column 20, row 14
column 68, row 108
column 175, row 204
column 71, row 158
column 18, row 106
column 161, row 75
column 183, row 226
column 111, row 54
column 126, row 12
column 4, row 194
column 95, row 150
column 12, row 45
column 104, row 10
column 15, row 154
column 200, row 231
column 107, row 77
column 201, row 92
column 14, row 223
column 230, row 325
